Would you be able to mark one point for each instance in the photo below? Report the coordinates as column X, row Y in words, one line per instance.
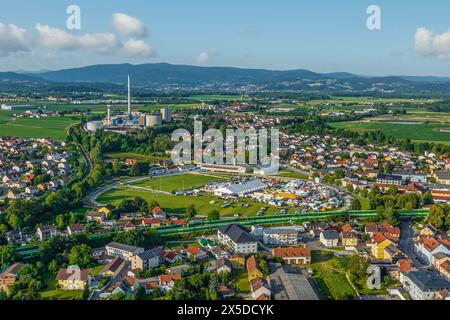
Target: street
column 406, row 242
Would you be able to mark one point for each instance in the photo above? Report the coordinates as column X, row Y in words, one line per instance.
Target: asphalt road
column 406, row 242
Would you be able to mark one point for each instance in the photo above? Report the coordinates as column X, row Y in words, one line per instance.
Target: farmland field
column 177, row 182
column 420, row 131
column 54, row 128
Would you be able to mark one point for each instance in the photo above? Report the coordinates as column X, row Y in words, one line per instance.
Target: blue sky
column 320, row 35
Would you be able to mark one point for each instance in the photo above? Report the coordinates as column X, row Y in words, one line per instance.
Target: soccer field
column 180, row 182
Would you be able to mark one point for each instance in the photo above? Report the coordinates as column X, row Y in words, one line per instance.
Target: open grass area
column 52, row 127
column 428, row 132
column 178, row 204
column 51, row 292
column 290, row 174
column 177, row 183
column 135, row 156
column 331, row 281
column 240, row 280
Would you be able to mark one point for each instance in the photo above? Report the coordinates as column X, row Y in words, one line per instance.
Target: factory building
column 166, row 115
column 154, row 119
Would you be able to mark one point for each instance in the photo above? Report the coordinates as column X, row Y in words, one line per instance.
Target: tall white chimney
column 129, row 95
column 109, row 115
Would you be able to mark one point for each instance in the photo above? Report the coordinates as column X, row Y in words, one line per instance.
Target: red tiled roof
column 291, row 252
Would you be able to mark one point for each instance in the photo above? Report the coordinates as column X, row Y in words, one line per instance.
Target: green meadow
column 177, row 183
column 178, row 204
column 54, row 127
column 423, row 132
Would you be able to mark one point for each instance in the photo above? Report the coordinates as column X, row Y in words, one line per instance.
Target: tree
column 214, row 215
column 356, row 205
column 191, row 212
column 81, row 256
column 60, row 221
column 7, row 255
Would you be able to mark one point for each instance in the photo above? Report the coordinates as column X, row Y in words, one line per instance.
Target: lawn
column 331, row 281
column 425, row 132
column 54, row 127
column 290, row 174
column 178, row 204
column 51, row 292
column 240, row 279
column 177, row 182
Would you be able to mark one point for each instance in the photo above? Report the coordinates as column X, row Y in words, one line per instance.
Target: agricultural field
column 174, row 183
column 416, row 131
column 54, row 128
column 178, row 204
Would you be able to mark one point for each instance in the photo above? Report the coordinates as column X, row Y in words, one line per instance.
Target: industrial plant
column 121, row 121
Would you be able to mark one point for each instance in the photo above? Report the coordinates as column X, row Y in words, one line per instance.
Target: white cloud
column 13, row 40
column 59, row 39
column 429, row 44
column 138, row 48
column 207, row 55
column 129, row 26
column 104, row 43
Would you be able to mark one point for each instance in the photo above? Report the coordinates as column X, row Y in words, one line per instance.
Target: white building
column 424, row 284
column 240, row 189
column 237, row 239
column 329, row 238
column 280, row 236
column 123, row 251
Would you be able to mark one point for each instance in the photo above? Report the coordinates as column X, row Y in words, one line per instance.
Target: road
column 406, row 242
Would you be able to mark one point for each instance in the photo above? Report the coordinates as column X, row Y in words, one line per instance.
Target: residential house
column 237, row 238
column 196, row 253
column 349, row 239
column 75, row 229
column 238, row 260
column 379, row 244
column 442, row 177
column 107, row 210
column 96, row 216
column 46, row 232
column 73, row 278
column 148, row 259
column 260, row 288
column 253, row 269
column 329, row 238
column 167, row 281
column 427, row 247
column 124, row 251
column 293, row 255
column 9, row 276
column 113, row 268
column 424, row 284
column 280, row 236
column 223, row 265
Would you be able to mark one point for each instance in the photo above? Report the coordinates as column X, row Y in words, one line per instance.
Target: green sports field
column 177, row 183
column 423, row 132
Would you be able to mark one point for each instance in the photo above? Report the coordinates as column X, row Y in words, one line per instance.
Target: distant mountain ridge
column 165, row 73
column 169, row 78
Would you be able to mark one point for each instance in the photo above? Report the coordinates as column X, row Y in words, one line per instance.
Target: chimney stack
column 129, row 95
